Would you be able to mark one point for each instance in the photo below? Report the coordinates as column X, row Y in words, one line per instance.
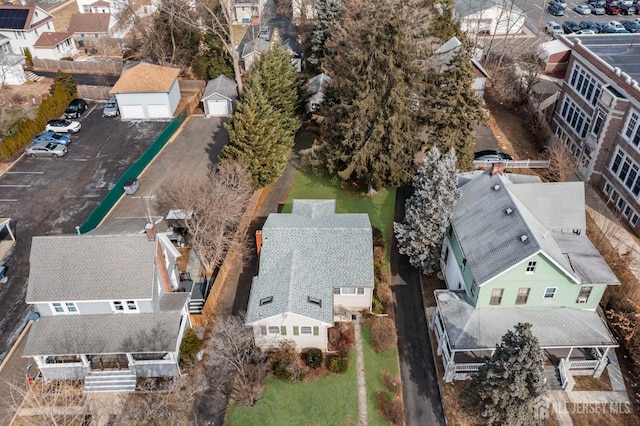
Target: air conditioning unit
column 582, row 300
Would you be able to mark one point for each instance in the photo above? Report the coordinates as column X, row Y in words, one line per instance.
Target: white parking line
column 31, row 173
column 15, row 186
column 7, row 200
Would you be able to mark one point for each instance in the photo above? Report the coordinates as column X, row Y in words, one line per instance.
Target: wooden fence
column 191, row 85
column 83, row 67
column 95, row 93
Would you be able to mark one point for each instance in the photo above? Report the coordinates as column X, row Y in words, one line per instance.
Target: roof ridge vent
column 496, row 187
column 509, row 210
column 314, row 300
column 523, row 238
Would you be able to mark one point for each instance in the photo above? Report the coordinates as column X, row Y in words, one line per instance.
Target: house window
column 575, row 117
column 19, row 35
column 585, row 85
column 549, row 293
column 523, row 296
column 474, row 288
column 597, row 125
column 131, row 305
column 583, row 295
column 531, row 267
column 348, row 291
column 634, row 219
column 273, row 329
column 118, row 306
column 64, row 308
column 360, row 290
column 632, row 129
column 306, row 329
column 124, row 306
column 627, row 171
column 496, row 296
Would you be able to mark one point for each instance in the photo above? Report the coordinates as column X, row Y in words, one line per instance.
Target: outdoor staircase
column 33, row 77
column 110, row 381
column 553, row 377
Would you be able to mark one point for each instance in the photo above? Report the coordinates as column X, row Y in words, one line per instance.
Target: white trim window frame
column 575, row 117
column 585, row 85
column 306, row 330
column 531, row 267
column 64, row 308
column 124, row 306
column 273, row 330
column 626, row 171
column 348, row 291
column 632, row 130
column 549, row 293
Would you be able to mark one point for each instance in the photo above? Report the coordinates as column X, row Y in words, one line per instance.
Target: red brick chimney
column 150, row 229
column 258, row 241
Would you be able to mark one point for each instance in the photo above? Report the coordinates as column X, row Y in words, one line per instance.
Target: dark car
column 491, row 155
column 600, row 26
column 76, row 108
column 555, row 9
column 613, row 9
column 588, row 25
column 570, row 27
column 628, row 9
column 631, row 26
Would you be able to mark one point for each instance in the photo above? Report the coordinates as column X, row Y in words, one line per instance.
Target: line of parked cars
column 596, row 7
column 55, row 139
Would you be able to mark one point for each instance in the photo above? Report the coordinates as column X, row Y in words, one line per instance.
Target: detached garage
column 147, row 92
column 219, row 96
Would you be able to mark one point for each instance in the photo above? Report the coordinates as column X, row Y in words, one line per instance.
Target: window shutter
column 295, row 330
column 316, row 330
column 263, row 330
column 283, row 330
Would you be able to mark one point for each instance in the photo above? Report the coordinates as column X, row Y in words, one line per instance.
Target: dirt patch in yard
column 588, row 383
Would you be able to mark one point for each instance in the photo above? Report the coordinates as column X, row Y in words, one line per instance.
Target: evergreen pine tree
column 370, row 138
column 452, row 109
column 428, row 210
column 255, row 135
column 510, row 387
column 68, row 83
column 328, row 14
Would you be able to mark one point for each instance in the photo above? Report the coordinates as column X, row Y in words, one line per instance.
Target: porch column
column 85, row 360
column 569, row 355
column 130, row 359
column 602, row 364
column 449, row 371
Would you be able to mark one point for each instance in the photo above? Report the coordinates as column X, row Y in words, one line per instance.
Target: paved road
column 85, row 79
column 419, row 384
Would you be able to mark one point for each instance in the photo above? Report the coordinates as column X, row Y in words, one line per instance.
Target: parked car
column 585, row 32
column 614, row 27
column 561, row 3
column 597, row 8
column 555, row 10
column 588, row 25
column 570, row 27
column 612, row 9
column 63, row 126
column 631, row 26
column 491, row 155
column 600, row 26
column 582, row 9
column 76, row 108
column 45, row 150
column 553, row 28
column 52, row 137
column 628, row 9
column 111, row 108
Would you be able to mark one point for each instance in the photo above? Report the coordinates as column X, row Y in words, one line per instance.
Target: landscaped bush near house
column 383, row 333
column 390, row 382
column 342, row 337
column 313, row 358
column 189, row 347
column 285, row 363
column 338, row 364
column 391, row 409
column 378, row 238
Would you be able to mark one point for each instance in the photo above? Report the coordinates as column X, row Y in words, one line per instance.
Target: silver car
column 111, row 108
column 45, row 150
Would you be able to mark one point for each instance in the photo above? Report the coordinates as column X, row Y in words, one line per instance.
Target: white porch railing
column 583, row 365
column 475, row 366
column 566, row 379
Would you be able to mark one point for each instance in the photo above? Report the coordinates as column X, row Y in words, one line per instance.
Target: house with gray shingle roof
column 316, row 267
column 219, row 96
column 110, row 309
column 517, row 251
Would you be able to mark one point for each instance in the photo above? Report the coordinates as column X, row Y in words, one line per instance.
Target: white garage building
column 219, row 96
column 147, row 92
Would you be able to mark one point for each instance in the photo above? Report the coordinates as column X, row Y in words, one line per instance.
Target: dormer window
column 124, row 306
column 63, row 308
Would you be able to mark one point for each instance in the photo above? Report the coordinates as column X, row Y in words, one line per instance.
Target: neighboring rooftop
column 222, row 85
column 144, row 77
column 89, row 23
column 52, row 39
column 305, row 254
column 91, row 267
column 16, row 17
column 618, row 50
column 469, row 7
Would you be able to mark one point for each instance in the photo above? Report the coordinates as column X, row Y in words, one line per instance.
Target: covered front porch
column 576, row 342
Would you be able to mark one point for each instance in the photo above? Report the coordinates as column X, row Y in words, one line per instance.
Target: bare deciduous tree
column 232, row 351
column 562, row 163
column 213, row 204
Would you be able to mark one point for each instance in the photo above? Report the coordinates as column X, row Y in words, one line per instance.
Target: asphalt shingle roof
column 222, row 85
column 91, row 267
column 145, row 77
column 89, row 23
column 52, row 39
column 308, row 253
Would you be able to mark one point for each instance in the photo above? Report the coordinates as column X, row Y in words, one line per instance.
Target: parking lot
column 47, row 196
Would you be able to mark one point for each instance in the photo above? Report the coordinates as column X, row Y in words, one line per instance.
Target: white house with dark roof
column 110, row 309
column 489, row 17
column 517, row 251
column 23, row 25
column 55, row 45
column 219, row 96
column 147, row 92
column 316, row 268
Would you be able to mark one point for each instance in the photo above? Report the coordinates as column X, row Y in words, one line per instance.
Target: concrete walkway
column 363, row 418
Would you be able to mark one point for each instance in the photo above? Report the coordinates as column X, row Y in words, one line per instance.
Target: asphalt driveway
column 47, row 196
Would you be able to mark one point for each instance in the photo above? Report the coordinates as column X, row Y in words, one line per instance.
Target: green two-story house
column 517, row 251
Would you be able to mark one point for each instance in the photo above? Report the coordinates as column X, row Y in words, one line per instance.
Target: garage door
column 159, row 111
column 129, row 112
column 217, row 107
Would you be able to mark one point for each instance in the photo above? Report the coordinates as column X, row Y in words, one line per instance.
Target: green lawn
column 379, row 207
column 374, row 363
column 330, row 400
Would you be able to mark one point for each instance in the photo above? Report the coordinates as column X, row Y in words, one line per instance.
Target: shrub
column 338, row 364
column 190, row 346
column 383, row 333
column 341, row 336
column 391, row 410
column 313, row 358
column 378, row 238
column 284, row 363
column 390, row 382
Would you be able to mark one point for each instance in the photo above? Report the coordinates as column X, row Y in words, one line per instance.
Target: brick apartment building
column 597, row 116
